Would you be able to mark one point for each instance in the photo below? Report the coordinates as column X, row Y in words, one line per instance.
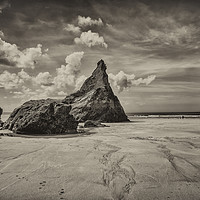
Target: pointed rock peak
column 96, row 100
column 98, row 79
column 101, row 67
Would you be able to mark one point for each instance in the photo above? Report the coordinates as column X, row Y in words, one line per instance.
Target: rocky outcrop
column 90, row 123
column 1, row 112
column 96, row 100
column 42, row 117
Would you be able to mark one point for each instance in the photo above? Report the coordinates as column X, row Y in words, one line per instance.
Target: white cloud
column 43, row 85
column 10, row 80
column 87, row 21
column 145, row 81
column 61, row 93
column 72, row 28
column 90, row 39
column 24, row 75
column 26, row 87
column 27, row 58
column 67, row 74
column 74, row 60
column 43, row 78
column 123, row 81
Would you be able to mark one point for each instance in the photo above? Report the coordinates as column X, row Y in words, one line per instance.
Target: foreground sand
column 145, row 159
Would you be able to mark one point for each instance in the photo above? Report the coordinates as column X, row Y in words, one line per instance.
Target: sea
column 165, row 115
column 157, row 115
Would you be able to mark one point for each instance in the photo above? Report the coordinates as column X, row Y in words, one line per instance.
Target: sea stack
column 95, row 100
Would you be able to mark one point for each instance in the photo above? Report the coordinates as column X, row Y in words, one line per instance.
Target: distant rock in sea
column 96, row 100
column 42, row 117
column 1, row 112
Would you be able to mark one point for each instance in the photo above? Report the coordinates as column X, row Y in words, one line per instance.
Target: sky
column 151, row 49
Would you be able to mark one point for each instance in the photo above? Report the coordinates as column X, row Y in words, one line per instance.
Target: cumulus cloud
column 24, row 75
column 124, row 81
column 10, row 55
column 74, row 60
column 87, row 21
column 67, row 77
column 44, row 85
column 90, row 39
column 44, row 78
column 72, row 28
column 67, row 74
column 26, row 87
column 10, row 80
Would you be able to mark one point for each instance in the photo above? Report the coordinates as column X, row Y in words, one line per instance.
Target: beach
column 143, row 159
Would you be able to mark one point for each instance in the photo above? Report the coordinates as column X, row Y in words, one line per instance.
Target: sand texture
column 143, row 160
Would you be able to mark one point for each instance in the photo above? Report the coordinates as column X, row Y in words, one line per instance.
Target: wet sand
column 145, row 159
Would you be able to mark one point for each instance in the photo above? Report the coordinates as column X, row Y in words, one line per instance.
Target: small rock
column 1, row 122
column 90, row 123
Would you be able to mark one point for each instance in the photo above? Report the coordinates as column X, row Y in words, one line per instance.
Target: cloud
column 10, row 80
column 24, row 75
column 74, row 60
column 44, row 78
column 174, row 36
column 123, row 81
column 67, row 77
column 90, row 39
column 152, row 25
column 87, row 21
column 67, row 74
column 3, row 5
column 72, row 28
column 145, row 81
column 12, row 56
column 61, row 93
column 43, row 85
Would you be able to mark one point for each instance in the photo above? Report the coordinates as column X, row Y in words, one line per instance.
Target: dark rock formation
column 41, row 117
column 1, row 112
column 1, row 124
column 90, row 123
column 96, row 100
